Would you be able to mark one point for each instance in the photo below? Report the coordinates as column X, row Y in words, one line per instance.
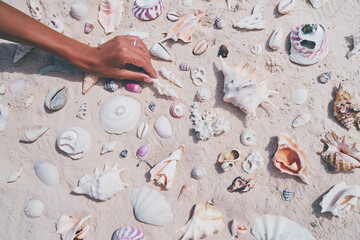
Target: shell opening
column 289, row 159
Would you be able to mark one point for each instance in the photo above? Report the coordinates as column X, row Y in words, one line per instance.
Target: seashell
column 17, row 85
column 47, row 173
column 152, row 106
column 275, row 40
column 277, row 227
column 286, row 6
column 79, row 11
column 120, row 114
column 173, row 16
column 147, row 10
column 128, row 233
column 56, row 67
column 184, row 28
column 220, row 22
column 309, row 44
column 71, row 228
column 35, row 10
column 141, row 35
column 164, row 89
column 56, row 98
column 133, row 87
column 29, row 101
column 184, row 66
column 111, row 85
column 187, row 191
column 341, row 156
column 82, row 111
column 158, row 50
column 170, row 76
column 203, row 95
column 143, row 151
column 143, row 129
column 287, row 194
column 34, row 208
column 201, row 47
column 228, row 159
column 255, row 21
column 256, row 49
column 237, row 229
column 301, row 120
column 198, row 172
column 14, row 176
column 325, row 77
column 88, row 27
column 57, row 25
column 205, row 222
column 242, row 89
column 356, row 44
column 89, row 81
column 108, row 147
column 2, row 89
column 177, row 110
column 240, row 184
column 21, row 52
column 248, row 137
column 33, row 133
column 103, row 185
column 186, row 3
column 299, row 96
column 253, row 162
column 223, row 51
column 123, row 153
column 341, row 200
column 4, row 115
column 164, row 171
column 110, row 14
column 290, row 159
column 198, row 75
column 163, row 127
column 150, row 207
column 318, row 3
column 74, row 141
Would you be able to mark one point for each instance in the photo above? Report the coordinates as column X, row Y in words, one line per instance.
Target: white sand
column 340, row 18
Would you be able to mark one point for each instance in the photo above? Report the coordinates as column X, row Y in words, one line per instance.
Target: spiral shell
column 111, row 86
column 248, row 137
column 220, row 22
column 128, row 233
column 198, row 172
column 184, row 66
column 287, row 194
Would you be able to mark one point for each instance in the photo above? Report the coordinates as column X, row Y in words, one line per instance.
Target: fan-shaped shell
column 120, row 114
column 34, row 208
column 47, row 173
column 74, row 141
column 198, row 172
column 150, row 207
column 128, row 233
column 148, row 9
column 56, row 98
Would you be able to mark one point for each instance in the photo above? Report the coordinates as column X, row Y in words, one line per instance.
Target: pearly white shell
column 14, row 176
column 34, row 208
column 79, row 11
column 29, row 101
column 286, row 6
column 4, row 115
column 74, row 141
column 163, row 127
column 248, row 137
column 301, row 120
column 150, row 207
column 33, row 133
column 143, row 130
column 47, row 173
column 158, row 50
column 276, row 39
column 108, row 147
column 198, row 76
column 318, row 3
column 299, row 96
column 198, row 172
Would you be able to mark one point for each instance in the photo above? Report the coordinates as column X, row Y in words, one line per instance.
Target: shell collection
column 130, row 233
column 240, row 184
column 148, row 9
column 111, row 85
column 74, row 141
column 228, row 159
column 177, row 110
column 255, row 21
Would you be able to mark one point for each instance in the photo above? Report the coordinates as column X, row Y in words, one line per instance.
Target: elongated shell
column 143, row 130
column 33, row 133
column 286, row 6
column 276, row 39
column 56, row 98
column 14, row 176
column 110, row 14
column 89, row 81
column 170, row 76
column 201, row 47
column 47, row 173
column 301, row 120
column 158, row 50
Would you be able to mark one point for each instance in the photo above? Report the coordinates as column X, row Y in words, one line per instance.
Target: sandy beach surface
column 340, row 19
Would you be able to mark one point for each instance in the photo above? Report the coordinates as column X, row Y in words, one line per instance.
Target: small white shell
column 286, row 6
column 203, row 95
column 198, row 172
column 34, row 208
column 299, row 96
column 220, row 22
column 47, row 173
column 143, row 130
column 301, row 120
column 248, row 137
column 108, row 147
column 82, row 111
column 201, row 47
column 158, row 50
column 198, row 75
column 186, row 3
column 173, row 16
column 79, row 11
column 57, row 25
column 325, row 77
column 35, row 10
column 33, row 133
column 276, row 39
column 163, row 127
column 256, row 49
column 29, row 101
column 14, row 176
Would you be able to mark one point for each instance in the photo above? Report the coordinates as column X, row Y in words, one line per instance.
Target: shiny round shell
column 173, row 16
column 248, row 137
column 177, row 110
column 220, row 22
column 198, row 172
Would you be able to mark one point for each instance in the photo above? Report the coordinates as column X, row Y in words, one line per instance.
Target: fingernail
column 147, row 79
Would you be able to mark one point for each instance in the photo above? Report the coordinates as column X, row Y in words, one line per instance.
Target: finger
column 144, row 62
column 132, row 75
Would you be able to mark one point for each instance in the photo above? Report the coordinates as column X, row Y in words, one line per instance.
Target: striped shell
column 111, row 86
column 88, row 27
column 148, row 10
column 152, row 106
column 184, row 66
column 220, row 22
column 128, row 233
column 177, row 110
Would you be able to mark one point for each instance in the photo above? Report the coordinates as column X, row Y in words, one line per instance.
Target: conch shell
column 290, row 159
column 338, row 154
column 70, row 228
column 228, row 159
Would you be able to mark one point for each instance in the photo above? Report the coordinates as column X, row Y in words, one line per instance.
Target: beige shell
column 33, row 133
column 201, row 47
column 71, row 228
column 229, row 158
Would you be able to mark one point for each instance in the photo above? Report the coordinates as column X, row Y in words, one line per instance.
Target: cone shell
column 89, row 81
column 158, row 50
column 88, row 27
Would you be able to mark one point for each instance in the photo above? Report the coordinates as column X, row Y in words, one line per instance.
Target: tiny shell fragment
column 301, row 120
column 14, row 176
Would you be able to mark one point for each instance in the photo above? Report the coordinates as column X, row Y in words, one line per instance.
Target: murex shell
column 150, row 207
column 56, row 98
column 47, row 173
column 248, row 137
column 74, row 141
column 33, row 133
column 103, row 185
column 228, row 159
column 240, row 184
column 163, row 127
column 120, row 114
column 148, row 9
column 128, row 233
column 34, row 208
column 71, row 228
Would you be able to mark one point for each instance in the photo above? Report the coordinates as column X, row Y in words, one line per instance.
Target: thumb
column 132, row 75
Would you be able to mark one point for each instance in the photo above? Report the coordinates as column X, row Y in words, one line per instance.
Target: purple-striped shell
column 185, row 66
column 128, row 233
column 147, row 10
column 177, row 110
column 143, row 151
column 133, row 87
column 88, row 27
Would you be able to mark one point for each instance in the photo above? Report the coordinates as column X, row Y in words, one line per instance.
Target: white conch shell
column 110, row 14
column 21, row 52
column 253, row 162
column 255, row 21
column 276, row 39
column 35, row 10
column 158, row 50
column 286, row 6
column 318, row 3
column 74, row 141
column 14, row 176
column 163, row 172
column 242, row 89
column 205, row 222
column 143, row 130
column 163, row 127
column 47, row 173
column 34, row 208
column 103, row 185
column 271, row 227
column 170, row 76
column 237, row 229
column 150, row 207
column 120, row 114
column 70, row 228
column 341, row 200
column 29, row 101
column 356, row 48
column 198, row 75
column 164, row 89
column 33, row 133
column 4, row 115
column 108, row 147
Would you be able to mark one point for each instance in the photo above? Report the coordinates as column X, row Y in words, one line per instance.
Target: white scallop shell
column 203, row 95
column 108, row 147
column 198, row 76
column 34, row 208
column 163, row 127
column 286, row 6
column 74, row 141
column 198, row 172
column 4, row 115
column 120, row 114
column 143, row 130
column 33, row 133
column 150, row 207
column 299, row 96
column 14, row 176
column 29, row 101
column 158, row 50
column 248, row 137
column 276, row 39
column 301, row 120
column 47, row 173
column 79, row 11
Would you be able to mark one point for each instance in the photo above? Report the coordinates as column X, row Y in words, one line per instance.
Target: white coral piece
column 255, row 21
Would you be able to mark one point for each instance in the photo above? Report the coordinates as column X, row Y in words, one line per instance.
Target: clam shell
column 198, row 172
column 88, row 27
column 79, row 11
column 56, row 98
column 128, row 233
column 299, row 96
column 163, row 127
column 248, row 137
column 177, row 110
column 33, row 133
column 34, row 208
column 201, row 47
column 173, row 16
column 143, row 130
column 14, row 176
column 159, row 51
column 220, row 22
column 17, row 85
column 143, row 151
column 47, row 173
column 301, row 120
column 186, row 3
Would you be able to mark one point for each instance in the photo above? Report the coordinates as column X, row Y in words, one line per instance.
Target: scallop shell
column 111, row 85
column 198, row 172
column 74, row 141
column 108, row 147
column 240, row 184
column 325, row 77
column 223, row 51
column 29, row 101
column 110, row 14
column 143, row 129
column 88, row 27
column 143, row 151
column 128, row 233
column 33, row 133
column 57, row 25
column 158, row 50
column 14, row 176
column 150, row 207
column 248, row 137
column 120, row 114
column 301, row 120
column 287, row 194
column 178, row 110
column 4, row 115
column 201, row 47
column 286, row 6
column 47, row 173
column 17, row 85
column 184, row 66
column 163, row 127
column 148, row 9
column 275, row 40
column 203, row 95
column 253, row 162
column 71, row 228
column 220, row 22
column 82, row 111
column 79, row 11
column 299, row 96
column 21, row 52
column 34, row 208
column 228, row 159
column 173, row 16
column 56, row 98
column 198, row 76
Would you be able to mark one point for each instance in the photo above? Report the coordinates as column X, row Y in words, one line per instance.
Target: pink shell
column 147, row 14
column 133, row 87
column 88, row 27
column 128, row 233
column 143, row 151
column 177, row 110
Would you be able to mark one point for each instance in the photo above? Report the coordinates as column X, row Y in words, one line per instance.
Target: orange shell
column 89, row 81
